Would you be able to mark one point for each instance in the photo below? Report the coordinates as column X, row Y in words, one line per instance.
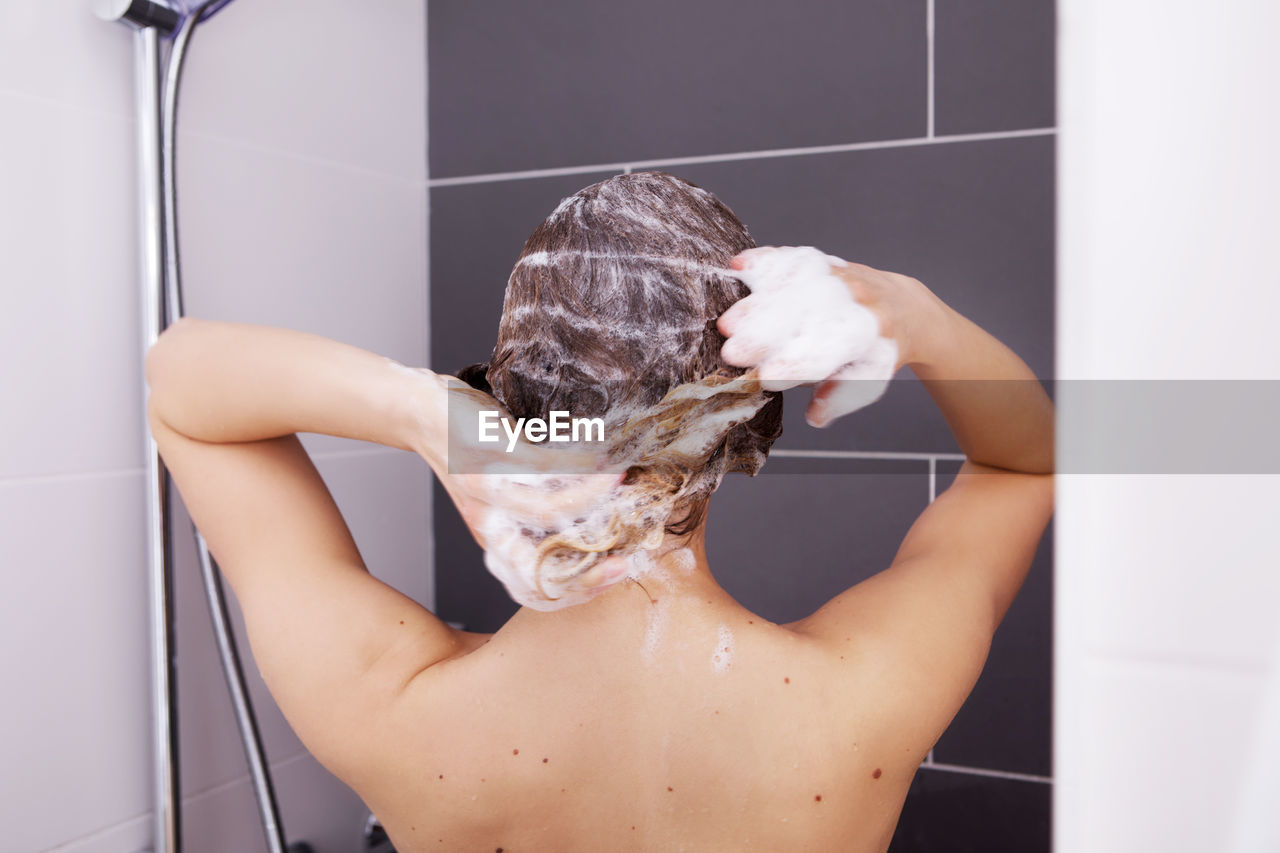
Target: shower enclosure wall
column 302, row 204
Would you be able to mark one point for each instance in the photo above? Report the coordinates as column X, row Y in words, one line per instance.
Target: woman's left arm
column 233, row 382
column 335, row 645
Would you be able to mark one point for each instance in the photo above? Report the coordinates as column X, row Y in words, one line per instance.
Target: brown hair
column 612, row 304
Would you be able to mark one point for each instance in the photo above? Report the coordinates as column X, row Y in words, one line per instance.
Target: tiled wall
column 1168, row 684
column 911, row 137
column 303, row 204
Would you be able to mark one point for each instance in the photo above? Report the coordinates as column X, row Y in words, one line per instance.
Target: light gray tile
column 267, row 238
column 60, row 50
column 335, row 81
column 72, row 366
column 314, row 807
column 318, row 808
column 131, row 836
column 74, row 734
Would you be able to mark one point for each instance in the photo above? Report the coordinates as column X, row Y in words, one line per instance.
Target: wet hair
column 611, row 307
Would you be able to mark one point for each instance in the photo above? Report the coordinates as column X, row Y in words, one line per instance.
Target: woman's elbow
column 159, row 358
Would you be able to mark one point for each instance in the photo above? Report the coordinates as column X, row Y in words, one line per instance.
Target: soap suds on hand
column 801, row 325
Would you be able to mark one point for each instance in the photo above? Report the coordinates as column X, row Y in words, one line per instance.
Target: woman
column 655, row 713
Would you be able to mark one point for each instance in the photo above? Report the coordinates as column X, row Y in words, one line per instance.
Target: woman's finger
column 854, row 386
column 736, row 314
column 743, row 259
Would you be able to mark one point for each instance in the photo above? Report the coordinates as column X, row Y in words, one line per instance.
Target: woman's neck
column 678, row 572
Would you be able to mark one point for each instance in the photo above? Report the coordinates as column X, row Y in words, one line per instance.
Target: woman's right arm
column 925, row 623
column 996, row 408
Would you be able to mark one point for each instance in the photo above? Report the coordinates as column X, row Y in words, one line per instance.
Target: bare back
column 677, row 725
column 667, row 707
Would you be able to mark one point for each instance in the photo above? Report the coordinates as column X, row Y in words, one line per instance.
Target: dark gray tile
column 785, row 542
column 974, row 221
column 517, row 85
column 961, row 813
column 465, row 591
column 831, row 523
column 993, row 65
column 1006, row 723
column 945, row 471
column 477, row 232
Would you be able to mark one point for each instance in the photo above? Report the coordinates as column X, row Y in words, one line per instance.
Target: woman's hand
column 806, row 305
column 817, row 319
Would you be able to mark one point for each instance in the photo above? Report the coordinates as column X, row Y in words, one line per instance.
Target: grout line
column 219, row 788
column 929, row 97
column 933, row 494
column 528, row 173
column 909, row 142
column 1144, row 658
column 96, row 835
column 126, row 118
column 69, row 477
column 994, row 774
column 292, row 758
column 928, row 759
column 390, row 178
column 865, row 454
column 223, row 787
column 72, row 843
column 49, row 479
